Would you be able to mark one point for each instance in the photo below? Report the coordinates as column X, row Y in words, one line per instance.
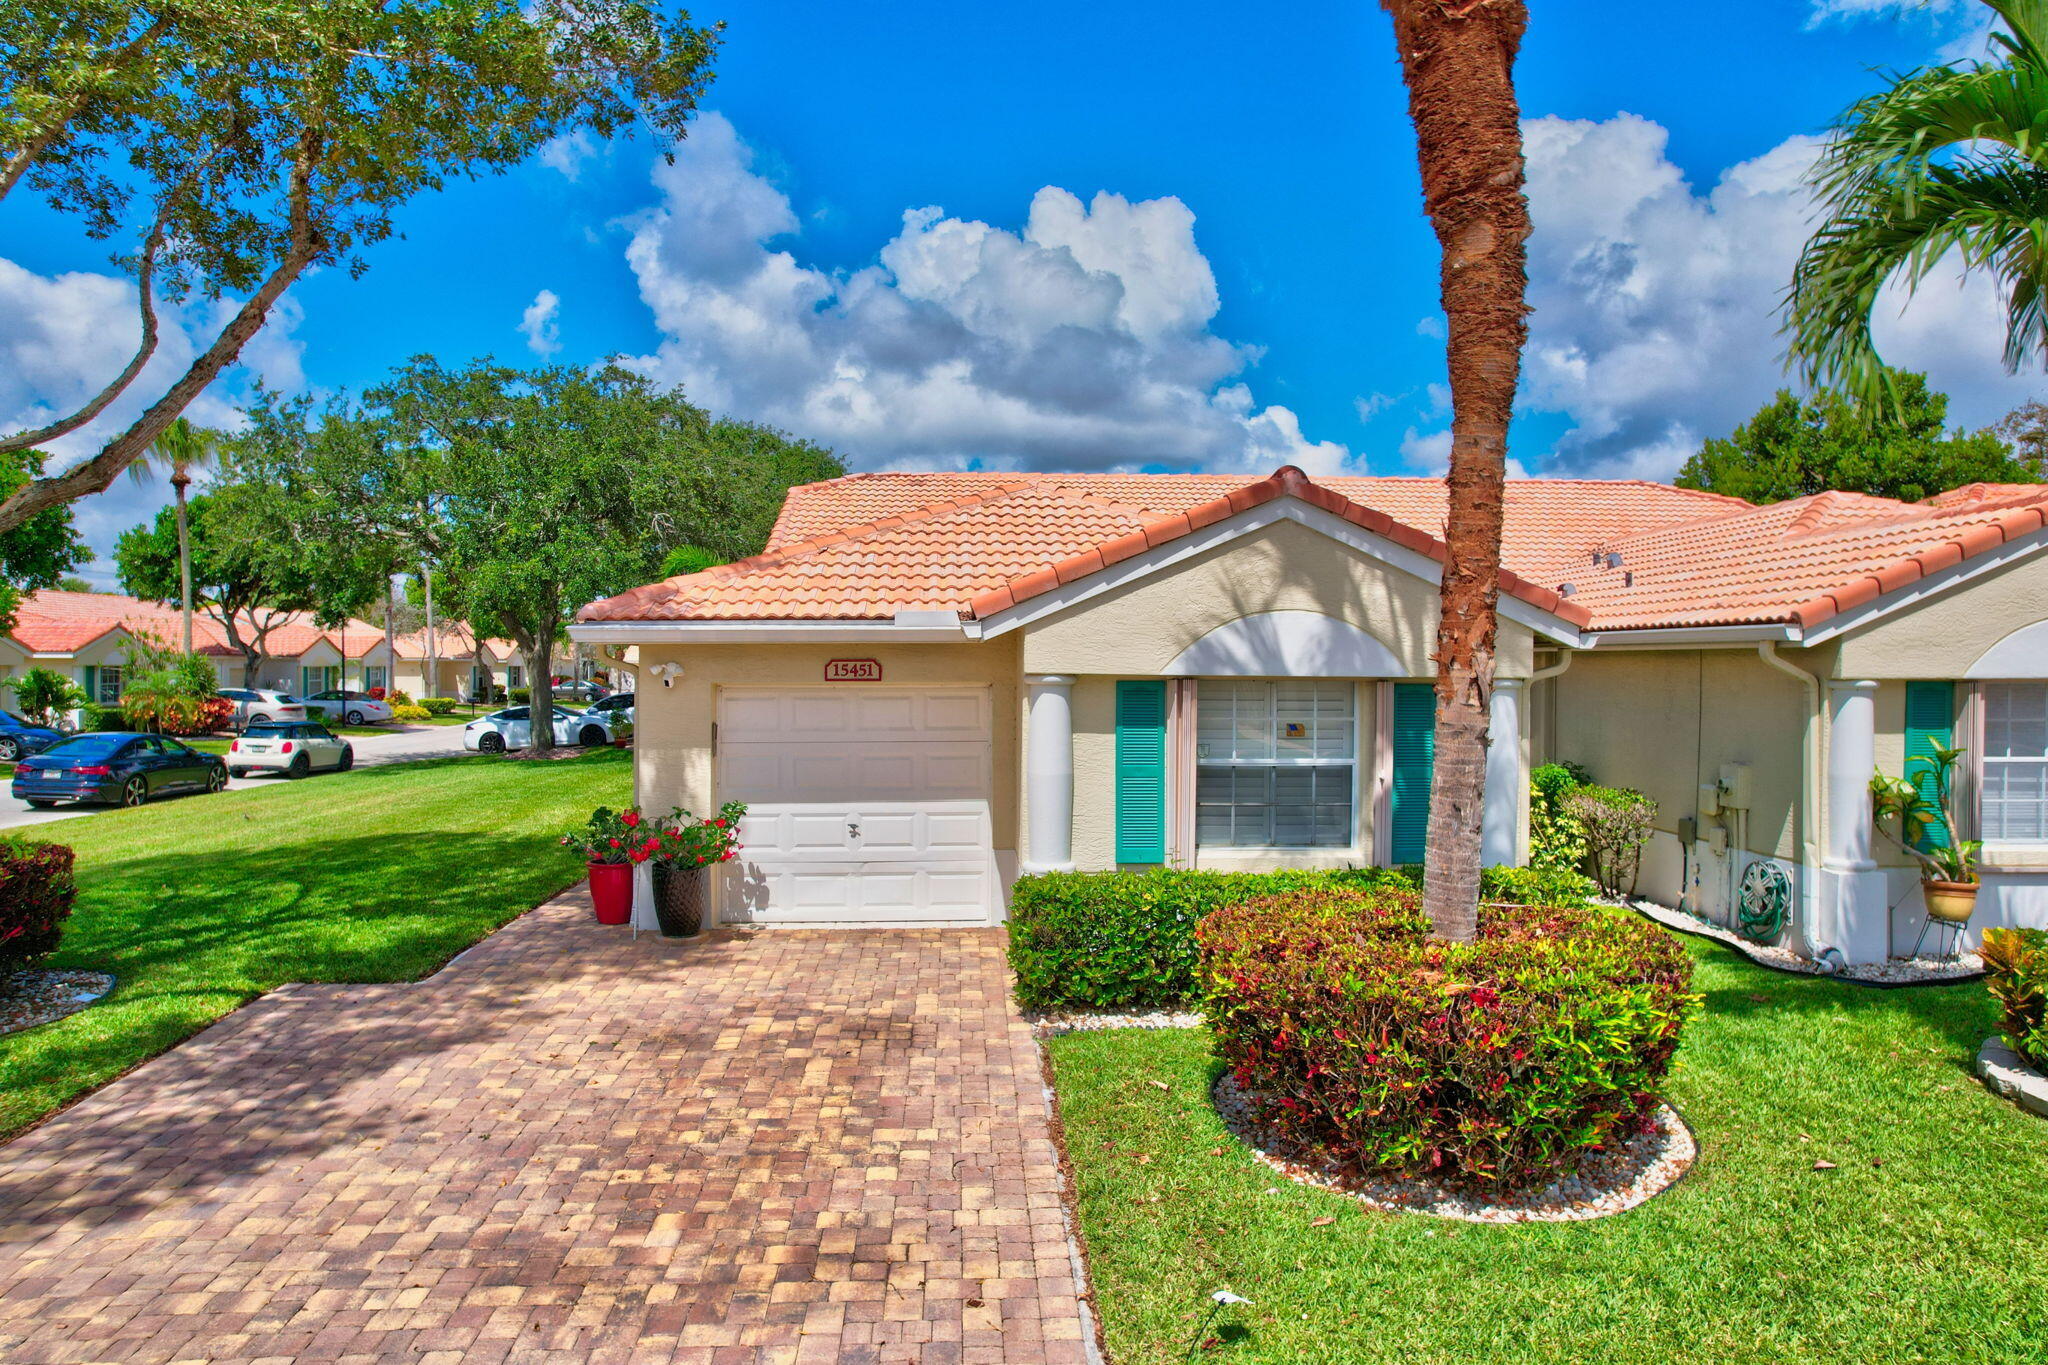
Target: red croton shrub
column 1500, row 1062
column 36, row 892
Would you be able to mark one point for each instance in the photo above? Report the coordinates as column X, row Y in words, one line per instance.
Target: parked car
column 580, row 691
column 19, row 738
column 256, row 706
column 293, row 749
column 357, row 708
column 512, row 728
column 116, row 768
column 617, row 704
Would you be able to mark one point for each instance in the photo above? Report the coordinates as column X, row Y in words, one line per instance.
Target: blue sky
column 1259, row 287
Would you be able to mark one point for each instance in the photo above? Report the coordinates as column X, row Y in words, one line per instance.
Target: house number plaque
column 853, row 670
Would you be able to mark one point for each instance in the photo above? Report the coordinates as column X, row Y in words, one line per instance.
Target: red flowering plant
column 615, row 836
column 690, row 842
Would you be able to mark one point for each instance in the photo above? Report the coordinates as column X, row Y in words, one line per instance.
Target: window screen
column 1276, row 764
column 2016, row 762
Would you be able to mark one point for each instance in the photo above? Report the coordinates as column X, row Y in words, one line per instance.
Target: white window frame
column 1980, row 724
column 375, row 676
column 119, row 673
column 1355, row 762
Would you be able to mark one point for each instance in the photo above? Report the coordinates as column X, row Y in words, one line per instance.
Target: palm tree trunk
column 179, row 481
column 1457, row 57
column 390, row 653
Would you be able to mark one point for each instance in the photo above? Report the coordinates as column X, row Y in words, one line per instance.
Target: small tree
column 1617, row 822
column 44, row 696
column 1917, row 813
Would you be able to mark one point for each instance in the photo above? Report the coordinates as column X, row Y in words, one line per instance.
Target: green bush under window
column 1126, row 940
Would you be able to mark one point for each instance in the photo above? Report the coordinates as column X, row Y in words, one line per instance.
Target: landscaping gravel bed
column 1608, row 1183
column 31, row 998
column 1899, row 971
column 1048, row 1024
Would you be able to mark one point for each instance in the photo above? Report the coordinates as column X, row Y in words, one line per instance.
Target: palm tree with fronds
column 1949, row 160
column 181, row 450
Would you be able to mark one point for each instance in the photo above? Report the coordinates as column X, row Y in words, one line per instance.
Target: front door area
column 865, row 805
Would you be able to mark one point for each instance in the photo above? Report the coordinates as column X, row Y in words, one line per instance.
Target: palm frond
column 1928, row 115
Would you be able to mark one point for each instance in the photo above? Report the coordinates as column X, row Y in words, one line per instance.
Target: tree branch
column 19, row 162
column 93, row 476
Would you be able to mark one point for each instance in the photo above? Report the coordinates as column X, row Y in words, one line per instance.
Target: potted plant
column 1905, row 814
column 682, row 877
column 612, row 843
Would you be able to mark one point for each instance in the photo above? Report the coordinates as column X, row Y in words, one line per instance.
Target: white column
column 1852, row 907
column 1049, row 773
column 1507, row 776
column 1852, row 757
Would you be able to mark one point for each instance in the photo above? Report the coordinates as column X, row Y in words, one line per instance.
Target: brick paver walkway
column 567, row 1146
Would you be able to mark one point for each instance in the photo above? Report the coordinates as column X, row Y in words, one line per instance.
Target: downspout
column 1809, row 801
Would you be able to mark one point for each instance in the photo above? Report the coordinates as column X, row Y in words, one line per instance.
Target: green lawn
column 200, row 904
column 1928, row 1242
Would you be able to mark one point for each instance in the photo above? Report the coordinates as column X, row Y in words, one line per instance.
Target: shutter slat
column 1141, row 770
column 1930, row 720
column 1414, row 743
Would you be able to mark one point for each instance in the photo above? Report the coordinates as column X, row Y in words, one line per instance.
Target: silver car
column 293, row 749
column 357, row 708
column 512, row 728
column 256, row 706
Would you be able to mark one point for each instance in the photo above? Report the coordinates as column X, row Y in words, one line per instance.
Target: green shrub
column 93, row 717
column 405, row 711
column 1557, row 837
column 398, row 697
column 522, row 695
column 44, row 696
column 36, row 894
column 1126, row 940
column 2016, row 969
column 1536, row 886
column 1617, row 823
column 439, row 706
column 1500, row 1062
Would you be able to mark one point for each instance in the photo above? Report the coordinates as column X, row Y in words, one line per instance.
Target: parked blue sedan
column 118, row 769
column 18, row 738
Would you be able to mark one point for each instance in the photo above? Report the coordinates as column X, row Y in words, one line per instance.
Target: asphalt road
column 403, row 744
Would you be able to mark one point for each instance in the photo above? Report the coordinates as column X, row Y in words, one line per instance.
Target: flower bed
column 1499, row 1063
column 1126, row 940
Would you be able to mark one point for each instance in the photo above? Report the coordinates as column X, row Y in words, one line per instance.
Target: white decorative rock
column 2008, row 1074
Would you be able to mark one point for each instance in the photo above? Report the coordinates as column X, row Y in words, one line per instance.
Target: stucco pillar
column 1049, row 773
column 1852, row 910
column 1507, row 776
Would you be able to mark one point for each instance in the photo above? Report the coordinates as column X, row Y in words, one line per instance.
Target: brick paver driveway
column 567, row 1146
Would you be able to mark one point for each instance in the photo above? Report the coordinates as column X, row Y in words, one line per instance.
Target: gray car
column 259, row 706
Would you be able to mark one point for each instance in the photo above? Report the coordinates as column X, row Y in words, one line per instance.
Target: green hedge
column 439, row 706
column 1126, row 940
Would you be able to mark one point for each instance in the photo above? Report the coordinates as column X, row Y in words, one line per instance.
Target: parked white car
column 512, row 728
column 357, row 708
column 257, row 706
column 292, row 749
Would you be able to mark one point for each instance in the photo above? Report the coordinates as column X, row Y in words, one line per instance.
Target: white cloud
column 568, row 153
column 1080, row 341
column 540, row 323
column 1655, row 317
column 62, row 337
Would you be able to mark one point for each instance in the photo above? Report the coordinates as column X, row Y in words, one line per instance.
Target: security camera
column 667, row 672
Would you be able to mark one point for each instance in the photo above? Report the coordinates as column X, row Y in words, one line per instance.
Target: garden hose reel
column 1763, row 902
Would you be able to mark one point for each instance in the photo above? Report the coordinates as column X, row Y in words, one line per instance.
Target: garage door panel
column 864, row 805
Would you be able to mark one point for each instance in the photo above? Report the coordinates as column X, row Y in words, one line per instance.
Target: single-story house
column 87, row 636
column 932, row 681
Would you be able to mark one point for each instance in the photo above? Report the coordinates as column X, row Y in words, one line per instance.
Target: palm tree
column 1458, row 59
column 1951, row 159
column 181, row 449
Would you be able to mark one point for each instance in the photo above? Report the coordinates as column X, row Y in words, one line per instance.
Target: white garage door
column 864, row 805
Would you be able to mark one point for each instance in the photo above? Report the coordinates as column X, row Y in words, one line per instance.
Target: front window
column 2016, row 763
column 515, row 676
column 376, row 676
column 1275, row 764
column 108, row 689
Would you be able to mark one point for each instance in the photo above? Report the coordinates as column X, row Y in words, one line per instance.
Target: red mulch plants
column 1498, row 1063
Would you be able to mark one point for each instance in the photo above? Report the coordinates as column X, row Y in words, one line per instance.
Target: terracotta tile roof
column 55, row 622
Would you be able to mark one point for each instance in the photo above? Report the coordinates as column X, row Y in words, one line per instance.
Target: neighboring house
column 932, row 681
column 87, row 636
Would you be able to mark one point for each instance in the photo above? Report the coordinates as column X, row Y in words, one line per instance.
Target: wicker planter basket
column 682, row 899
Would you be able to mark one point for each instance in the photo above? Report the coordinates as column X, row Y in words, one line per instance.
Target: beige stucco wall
column 673, row 725
column 1663, row 721
column 1136, row 630
column 1943, row 636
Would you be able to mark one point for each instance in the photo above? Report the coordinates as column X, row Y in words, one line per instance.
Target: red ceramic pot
column 611, row 891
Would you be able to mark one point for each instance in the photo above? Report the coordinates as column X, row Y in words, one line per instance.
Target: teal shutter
column 1930, row 720
column 1141, row 771
column 92, row 683
column 1414, row 743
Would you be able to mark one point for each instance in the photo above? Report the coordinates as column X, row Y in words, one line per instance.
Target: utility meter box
column 1710, row 798
column 1735, row 786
